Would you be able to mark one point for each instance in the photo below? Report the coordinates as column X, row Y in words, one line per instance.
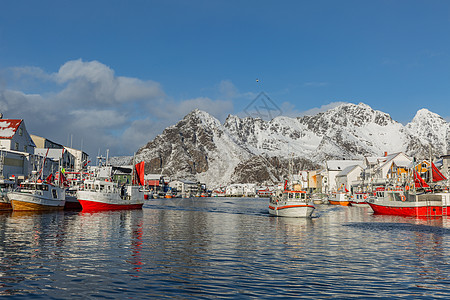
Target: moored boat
column 30, row 195
column 339, row 198
column 290, row 204
column 106, row 195
column 101, row 193
column 415, row 197
column 400, row 202
column 359, row 199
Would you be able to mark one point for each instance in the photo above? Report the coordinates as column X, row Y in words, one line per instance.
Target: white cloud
column 99, row 109
column 323, row 108
column 34, row 72
column 228, row 90
column 94, row 83
column 173, row 111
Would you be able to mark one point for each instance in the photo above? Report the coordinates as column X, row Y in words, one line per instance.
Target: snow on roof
column 401, row 162
column 347, row 170
column 373, row 160
column 339, row 165
column 51, row 153
column 8, row 128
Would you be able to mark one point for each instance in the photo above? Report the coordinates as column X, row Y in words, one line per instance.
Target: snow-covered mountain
column 247, row 149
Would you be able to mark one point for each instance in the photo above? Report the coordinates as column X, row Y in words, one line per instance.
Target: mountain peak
column 425, row 114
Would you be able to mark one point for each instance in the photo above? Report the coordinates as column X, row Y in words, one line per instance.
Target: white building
column 185, row 187
column 14, row 136
column 347, row 176
column 333, row 168
column 81, row 158
column 64, row 158
column 17, row 158
column 241, row 190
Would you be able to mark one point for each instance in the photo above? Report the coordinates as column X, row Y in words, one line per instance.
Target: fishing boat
column 339, row 198
column 36, row 196
column 359, row 199
column 317, row 198
column 289, row 203
column 393, row 201
column 417, row 198
column 106, row 195
column 101, row 193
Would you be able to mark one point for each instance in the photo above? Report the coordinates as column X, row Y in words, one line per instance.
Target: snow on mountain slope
column 429, row 129
column 200, row 148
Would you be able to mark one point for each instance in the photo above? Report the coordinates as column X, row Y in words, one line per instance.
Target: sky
column 108, row 74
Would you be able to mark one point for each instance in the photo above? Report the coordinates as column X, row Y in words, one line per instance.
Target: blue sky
column 113, row 74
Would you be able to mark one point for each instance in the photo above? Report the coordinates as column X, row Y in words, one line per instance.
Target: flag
column 418, row 181
column 437, row 175
column 140, row 172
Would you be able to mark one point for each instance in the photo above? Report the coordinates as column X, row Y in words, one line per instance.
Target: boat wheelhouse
column 291, row 204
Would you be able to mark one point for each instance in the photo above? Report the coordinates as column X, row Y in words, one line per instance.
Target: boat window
column 290, row 195
column 54, row 194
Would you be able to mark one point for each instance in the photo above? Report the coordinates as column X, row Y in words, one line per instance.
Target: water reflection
column 420, row 246
column 211, row 248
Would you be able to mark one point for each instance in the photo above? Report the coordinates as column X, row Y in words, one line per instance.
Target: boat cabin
column 100, row 186
column 296, row 195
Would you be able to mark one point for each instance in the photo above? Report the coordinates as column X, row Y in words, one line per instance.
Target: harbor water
column 207, row 248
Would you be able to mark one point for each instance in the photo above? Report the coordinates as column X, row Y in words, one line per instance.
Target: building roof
column 348, row 170
column 401, row 162
column 8, row 128
column 373, row 160
column 339, row 165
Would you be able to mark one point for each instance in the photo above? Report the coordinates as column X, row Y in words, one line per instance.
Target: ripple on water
column 222, row 248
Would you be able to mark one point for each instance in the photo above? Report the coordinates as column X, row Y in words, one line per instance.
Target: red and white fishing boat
column 103, row 194
column 409, row 203
column 291, row 204
column 417, row 199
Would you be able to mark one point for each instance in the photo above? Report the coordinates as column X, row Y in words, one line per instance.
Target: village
column 23, row 153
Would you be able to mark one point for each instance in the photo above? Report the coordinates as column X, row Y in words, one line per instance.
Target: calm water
column 222, row 248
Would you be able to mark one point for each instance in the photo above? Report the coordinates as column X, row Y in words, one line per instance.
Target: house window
column 25, row 148
column 16, row 146
column 20, row 131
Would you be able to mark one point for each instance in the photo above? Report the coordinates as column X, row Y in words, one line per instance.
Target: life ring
column 365, row 196
column 403, row 197
column 407, row 187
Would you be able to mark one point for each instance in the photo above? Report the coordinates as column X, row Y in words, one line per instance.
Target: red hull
column 91, row 205
column 413, row 211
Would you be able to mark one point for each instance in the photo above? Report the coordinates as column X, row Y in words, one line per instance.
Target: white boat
column 291, row 204
column 106, row 195
column 339, row 198
column 37, row 196
column 360, row 199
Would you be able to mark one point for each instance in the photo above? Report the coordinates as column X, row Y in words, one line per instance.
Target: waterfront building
column 14, row 136
column 186, row 188
column 333, row 168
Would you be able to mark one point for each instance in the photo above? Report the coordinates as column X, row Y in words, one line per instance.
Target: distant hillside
column 247, row 149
